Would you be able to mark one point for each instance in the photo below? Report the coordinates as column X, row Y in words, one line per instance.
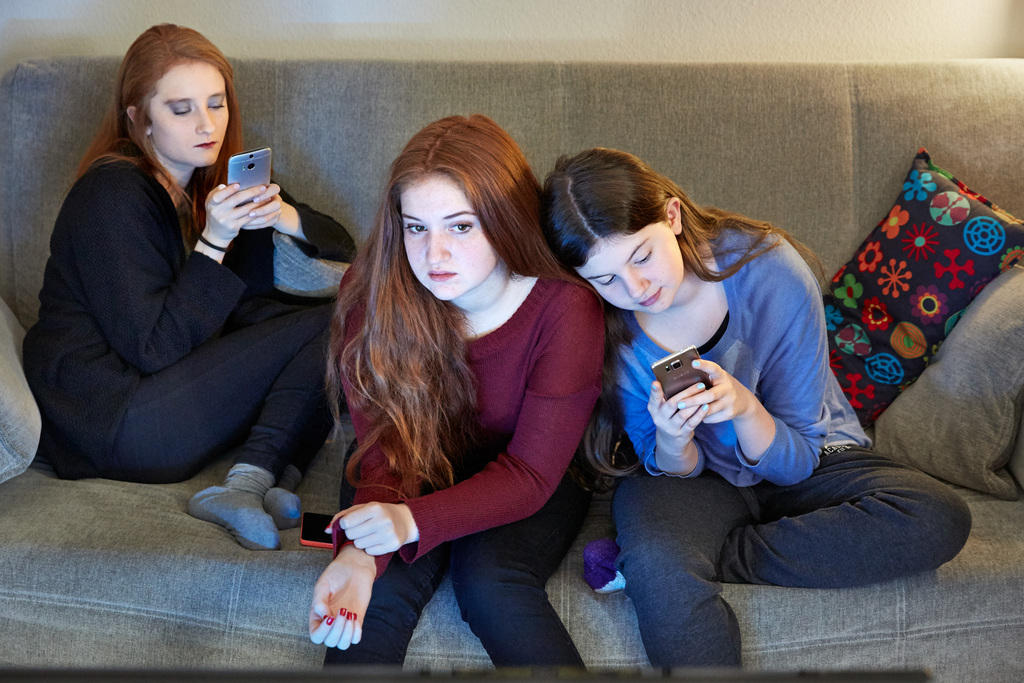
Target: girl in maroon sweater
column 470, row 362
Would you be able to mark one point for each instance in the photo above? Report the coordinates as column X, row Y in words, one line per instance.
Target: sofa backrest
column 819, row 149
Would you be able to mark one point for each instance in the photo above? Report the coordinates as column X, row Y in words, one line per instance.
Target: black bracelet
column 210, row 244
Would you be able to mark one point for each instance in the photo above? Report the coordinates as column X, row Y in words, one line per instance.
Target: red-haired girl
column 470, row 361
column 161, row 341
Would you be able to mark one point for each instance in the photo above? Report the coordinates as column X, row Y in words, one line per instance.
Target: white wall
column 525, row 30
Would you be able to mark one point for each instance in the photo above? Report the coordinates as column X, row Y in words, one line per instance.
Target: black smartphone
column 312, row 530
column 249, row 169
column 675, row 372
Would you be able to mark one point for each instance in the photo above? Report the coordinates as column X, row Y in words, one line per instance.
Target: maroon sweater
column 538, row 377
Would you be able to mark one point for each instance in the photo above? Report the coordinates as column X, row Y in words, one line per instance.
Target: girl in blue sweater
column 762, row 476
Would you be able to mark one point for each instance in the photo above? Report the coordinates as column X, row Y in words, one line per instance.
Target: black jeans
column 257, row 389
column 858, row 519
column 498, row 576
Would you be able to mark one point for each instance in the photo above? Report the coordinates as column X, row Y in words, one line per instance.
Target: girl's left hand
column 726, row 398
column 378, row 528
column 340, row 598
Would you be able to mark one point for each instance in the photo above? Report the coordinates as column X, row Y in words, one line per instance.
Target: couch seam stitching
column 234, row 598
column 228, row 628
column 854, row 104
column 901, row 622
column 4, row 177
column 563, row 130
column 882, row 636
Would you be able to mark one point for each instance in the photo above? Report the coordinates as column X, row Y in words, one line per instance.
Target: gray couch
column 104, row 573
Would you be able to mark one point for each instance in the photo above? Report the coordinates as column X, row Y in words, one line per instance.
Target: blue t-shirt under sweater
column 775, row 345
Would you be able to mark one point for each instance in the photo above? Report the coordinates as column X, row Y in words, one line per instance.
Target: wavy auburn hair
column 406, row 363
column 157, row 50
column 605, row 193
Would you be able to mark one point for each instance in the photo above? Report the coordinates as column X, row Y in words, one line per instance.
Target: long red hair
column 406, row 363
column 119, row 138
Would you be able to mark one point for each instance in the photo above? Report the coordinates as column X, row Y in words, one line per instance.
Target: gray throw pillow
column 20, row 422
column 960, row 420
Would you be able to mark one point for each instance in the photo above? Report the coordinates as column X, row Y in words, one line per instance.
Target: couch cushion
column 136, row 572
column 905, row 623
column 20, row 422
column 893, row 303
column 973, row 600
column 975, row 380
column 116, row 571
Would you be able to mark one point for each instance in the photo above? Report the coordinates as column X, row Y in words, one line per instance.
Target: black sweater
column 121, row 299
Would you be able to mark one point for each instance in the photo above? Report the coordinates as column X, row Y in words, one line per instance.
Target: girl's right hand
column 340, row 598
column 378, row 528
column 674, row 425
column 225, row 213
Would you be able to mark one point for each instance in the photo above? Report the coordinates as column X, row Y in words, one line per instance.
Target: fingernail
column 701, row 386
column 329, row 620
column 695, row 364
column 351, row 616
column 342, row 612
column 704, row 407
column 681, row 405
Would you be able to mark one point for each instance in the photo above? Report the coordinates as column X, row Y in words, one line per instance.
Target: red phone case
column 305, row 535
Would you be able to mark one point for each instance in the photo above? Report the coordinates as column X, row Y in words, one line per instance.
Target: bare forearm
column 755, row 430
column 290, row 222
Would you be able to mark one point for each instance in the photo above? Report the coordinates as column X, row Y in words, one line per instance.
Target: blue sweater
column 775, row 345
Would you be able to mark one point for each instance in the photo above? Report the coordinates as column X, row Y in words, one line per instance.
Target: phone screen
column 312, row 531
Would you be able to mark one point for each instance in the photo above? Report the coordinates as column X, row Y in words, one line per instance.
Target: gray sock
column 281, row 502
column 238, row 507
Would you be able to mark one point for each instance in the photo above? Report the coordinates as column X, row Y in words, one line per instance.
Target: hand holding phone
column 675, row 372
column 227, row 212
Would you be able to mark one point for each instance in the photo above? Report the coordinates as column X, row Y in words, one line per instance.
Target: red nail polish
column 342, row 612
column 351, row 616
column 329, row 620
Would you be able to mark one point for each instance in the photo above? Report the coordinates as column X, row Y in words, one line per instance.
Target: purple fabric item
column 599, row 566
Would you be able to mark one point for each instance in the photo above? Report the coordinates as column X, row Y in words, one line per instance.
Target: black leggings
column 498, row 576
column 258, row 389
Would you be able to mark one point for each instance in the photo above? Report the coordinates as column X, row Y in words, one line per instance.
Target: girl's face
column 639, row 272
column 446, row 245
column 188, row 117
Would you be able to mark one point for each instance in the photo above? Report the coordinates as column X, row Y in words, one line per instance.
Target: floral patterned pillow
column 891, row 306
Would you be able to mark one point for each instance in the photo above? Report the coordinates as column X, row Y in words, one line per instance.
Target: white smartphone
column 250, row 168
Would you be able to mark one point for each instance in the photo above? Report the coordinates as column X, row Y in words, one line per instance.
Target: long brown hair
column 406, row 363
column 119, row 138
column 601, row 193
